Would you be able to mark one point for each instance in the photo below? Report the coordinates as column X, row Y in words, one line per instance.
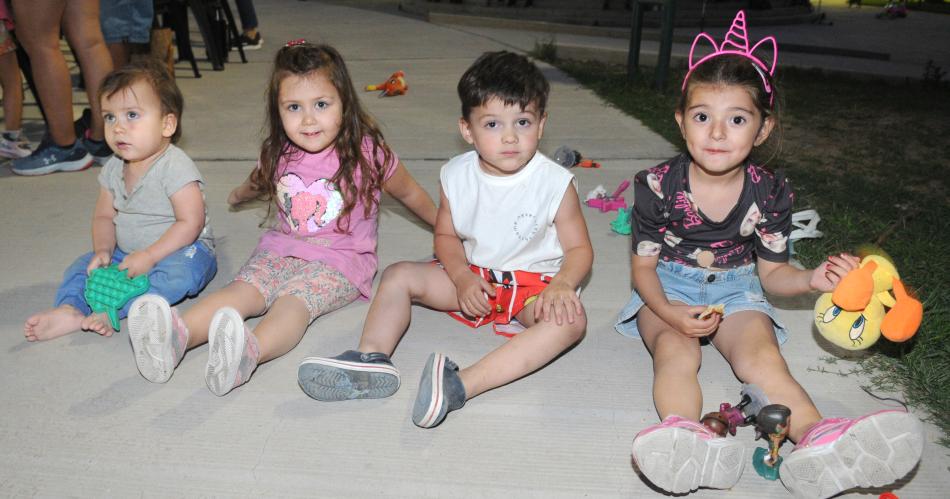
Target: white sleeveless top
column 507, row 223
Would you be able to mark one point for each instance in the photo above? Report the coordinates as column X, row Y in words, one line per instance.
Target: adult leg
column 676, row 360
column 81, row 27
column 523, row 354
column 12, row 91
column 248, row 17
column 747, row 341
column 38, row 24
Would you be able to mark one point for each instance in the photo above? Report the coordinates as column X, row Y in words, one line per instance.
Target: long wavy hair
column 302, row 59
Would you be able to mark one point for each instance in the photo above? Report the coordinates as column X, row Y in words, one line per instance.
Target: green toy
column 108, row 289
column 621, row 224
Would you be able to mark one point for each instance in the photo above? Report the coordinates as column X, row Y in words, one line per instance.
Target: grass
column 873, row 157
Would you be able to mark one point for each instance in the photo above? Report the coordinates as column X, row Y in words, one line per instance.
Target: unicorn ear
column 771, row 62
column 692, row 49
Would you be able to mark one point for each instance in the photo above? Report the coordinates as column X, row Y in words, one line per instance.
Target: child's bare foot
column 98, row 323
column 52, row 323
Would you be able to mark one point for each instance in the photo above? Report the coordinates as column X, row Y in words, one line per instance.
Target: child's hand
column 471, row 291
column 560, row 301
column 100, row 259
column 684, row 320
column 137, row 263
column 827, row 275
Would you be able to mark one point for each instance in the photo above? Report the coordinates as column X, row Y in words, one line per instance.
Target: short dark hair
column 157, row 77
column 504, row 75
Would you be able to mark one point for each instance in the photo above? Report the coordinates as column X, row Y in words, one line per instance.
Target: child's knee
column 401, row 274
column 576, row 330
column 762, row 363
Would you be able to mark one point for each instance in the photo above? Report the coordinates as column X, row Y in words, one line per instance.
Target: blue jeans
column 738, row 289
column 247, row 14
column 181, row 274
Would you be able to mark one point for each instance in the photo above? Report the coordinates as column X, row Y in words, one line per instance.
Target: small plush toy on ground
column 854, row 317
column 395, row 85
column 108, row 289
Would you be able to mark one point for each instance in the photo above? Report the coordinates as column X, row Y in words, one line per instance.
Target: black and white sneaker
column 249, row 43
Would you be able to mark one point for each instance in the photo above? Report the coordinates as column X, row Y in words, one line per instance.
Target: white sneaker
column 14, row 148
column 232, row 352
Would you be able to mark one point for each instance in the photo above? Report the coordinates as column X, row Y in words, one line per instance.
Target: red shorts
column 514, row 290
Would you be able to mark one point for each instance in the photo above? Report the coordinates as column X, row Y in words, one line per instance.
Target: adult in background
column 38, row 27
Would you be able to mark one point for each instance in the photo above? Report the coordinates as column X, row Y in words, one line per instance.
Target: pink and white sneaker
column 680, row 455
column 839, row 454
column 159, row 337
column 233, row 352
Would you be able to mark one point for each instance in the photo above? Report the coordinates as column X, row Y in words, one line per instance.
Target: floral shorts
column 321, row 287
column 7, row 44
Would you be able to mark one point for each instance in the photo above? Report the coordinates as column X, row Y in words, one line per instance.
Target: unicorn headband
column 736, row 42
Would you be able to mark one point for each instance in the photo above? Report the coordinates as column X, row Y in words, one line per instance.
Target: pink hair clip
column 294, row 43
column 736, row 42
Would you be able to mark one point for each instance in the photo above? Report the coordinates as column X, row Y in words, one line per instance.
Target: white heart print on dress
column 308, row 207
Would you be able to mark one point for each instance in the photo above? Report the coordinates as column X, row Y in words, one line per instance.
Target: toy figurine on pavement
column 395, row 85
column 771, row 421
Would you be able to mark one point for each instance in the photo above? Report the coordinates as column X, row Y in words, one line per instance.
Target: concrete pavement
column 78, row 419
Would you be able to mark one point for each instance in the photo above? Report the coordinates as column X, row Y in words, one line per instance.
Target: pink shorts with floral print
column 320, row 286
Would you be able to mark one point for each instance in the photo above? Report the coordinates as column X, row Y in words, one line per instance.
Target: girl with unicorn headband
column 710, row 227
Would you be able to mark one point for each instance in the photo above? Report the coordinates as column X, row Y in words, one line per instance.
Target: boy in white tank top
column 511, row 243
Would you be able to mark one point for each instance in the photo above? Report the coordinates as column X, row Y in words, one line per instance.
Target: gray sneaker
column 440, row 391
column 350, row 375
column 50, row 158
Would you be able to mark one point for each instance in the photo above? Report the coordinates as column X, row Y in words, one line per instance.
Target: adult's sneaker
column 840, row 454
column 679, row 455
column 51, row 158
column 99, row 150
column 350, row 375
column 14, row 147
column 250, row 43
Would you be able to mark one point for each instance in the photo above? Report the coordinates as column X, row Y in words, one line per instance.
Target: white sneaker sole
column 875, row 452
column 150, row 332
column 678, row 460
column 225, row 348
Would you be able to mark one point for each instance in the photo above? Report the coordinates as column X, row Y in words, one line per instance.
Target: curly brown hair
column 302, row 59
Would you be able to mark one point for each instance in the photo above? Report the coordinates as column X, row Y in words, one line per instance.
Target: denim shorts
column 738, row 289
column 126, row 20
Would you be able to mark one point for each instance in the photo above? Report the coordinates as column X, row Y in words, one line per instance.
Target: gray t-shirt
column 145, row 213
